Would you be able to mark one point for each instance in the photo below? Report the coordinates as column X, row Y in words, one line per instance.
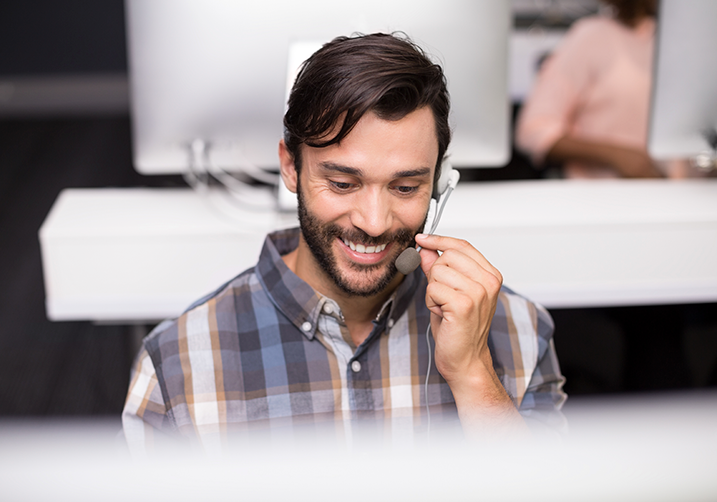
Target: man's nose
column 373, row 212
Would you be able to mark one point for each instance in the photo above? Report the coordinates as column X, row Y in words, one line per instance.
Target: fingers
column 463, row 278
column 461, row 281
column 448, row 304
column 457, row 254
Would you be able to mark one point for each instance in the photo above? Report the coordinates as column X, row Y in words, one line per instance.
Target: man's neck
column 358, row 311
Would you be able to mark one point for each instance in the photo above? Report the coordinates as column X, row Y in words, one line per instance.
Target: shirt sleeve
column 546, row 116
column 544, row 398
column 145, row 418
column 525, row 360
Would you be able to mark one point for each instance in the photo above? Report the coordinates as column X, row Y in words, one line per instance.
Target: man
column 325, row 330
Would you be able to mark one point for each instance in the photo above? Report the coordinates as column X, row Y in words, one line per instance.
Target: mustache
column 400, row 236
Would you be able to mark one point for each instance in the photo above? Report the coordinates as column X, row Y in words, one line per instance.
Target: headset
column 409, row 259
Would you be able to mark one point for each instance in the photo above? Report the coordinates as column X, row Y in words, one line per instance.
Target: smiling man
column 324, row 331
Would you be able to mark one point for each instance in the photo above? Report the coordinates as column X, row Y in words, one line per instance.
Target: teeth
column 360, row 248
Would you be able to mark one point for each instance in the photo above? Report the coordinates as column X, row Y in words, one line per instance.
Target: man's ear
column 288, row 168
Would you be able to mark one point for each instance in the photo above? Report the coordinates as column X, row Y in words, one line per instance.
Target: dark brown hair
column 349, row 76
column 630, row 12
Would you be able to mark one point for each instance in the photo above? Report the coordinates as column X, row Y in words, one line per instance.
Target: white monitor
column 684, row 99
column 216, row 71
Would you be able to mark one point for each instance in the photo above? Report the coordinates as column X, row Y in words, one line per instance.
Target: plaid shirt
column 267, row 350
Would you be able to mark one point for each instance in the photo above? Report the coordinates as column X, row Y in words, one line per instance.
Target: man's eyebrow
column 409, row 173
column 413, row 173
column 331, row 166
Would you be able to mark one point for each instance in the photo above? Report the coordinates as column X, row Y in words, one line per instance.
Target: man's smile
column 360, row 248
column 363, row 254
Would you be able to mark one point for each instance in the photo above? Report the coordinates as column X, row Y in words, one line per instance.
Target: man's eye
column 341, row 185
column 405, row 190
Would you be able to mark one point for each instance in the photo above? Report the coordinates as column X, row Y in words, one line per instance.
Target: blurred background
column 64, row 122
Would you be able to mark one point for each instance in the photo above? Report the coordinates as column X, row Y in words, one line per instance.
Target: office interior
column 64, row 122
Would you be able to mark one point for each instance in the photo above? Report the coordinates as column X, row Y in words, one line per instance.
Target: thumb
column 428, row 258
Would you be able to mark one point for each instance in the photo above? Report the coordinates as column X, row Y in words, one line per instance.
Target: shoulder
column 241, row 284
column 592, row 29
column 183, row 352
column 219, row 309
column 583, row 51
column 587, row 39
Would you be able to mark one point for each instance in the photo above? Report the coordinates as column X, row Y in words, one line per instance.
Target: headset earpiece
column 443, row 180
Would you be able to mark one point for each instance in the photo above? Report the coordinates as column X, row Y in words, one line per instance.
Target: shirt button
column 328, row 308
column 390, row 323
column 356, row 366
column 306, row 326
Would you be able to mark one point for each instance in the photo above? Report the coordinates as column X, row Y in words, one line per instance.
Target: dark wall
column 62, row 36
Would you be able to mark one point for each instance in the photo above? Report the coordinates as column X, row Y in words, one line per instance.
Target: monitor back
column 216, row 70
column 684, row 96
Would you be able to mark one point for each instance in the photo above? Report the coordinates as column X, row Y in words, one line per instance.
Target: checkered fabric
column 266, row 351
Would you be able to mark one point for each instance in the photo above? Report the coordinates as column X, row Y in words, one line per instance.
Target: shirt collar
column 298, row 301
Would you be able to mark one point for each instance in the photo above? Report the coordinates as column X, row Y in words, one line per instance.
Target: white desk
column 146, row 254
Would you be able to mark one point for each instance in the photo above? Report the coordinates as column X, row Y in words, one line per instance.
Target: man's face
column 362, row 201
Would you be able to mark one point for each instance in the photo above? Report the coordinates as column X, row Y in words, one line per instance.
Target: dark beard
column 320, row 238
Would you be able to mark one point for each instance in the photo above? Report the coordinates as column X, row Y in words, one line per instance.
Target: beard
column 363, row 282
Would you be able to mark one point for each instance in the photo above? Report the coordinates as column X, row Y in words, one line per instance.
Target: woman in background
column 589, row 110
column 589, row 107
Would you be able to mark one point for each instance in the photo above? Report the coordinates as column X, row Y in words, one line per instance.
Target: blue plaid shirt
column 267, row 351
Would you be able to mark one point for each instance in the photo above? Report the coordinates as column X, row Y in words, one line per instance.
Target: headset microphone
column 409, row 259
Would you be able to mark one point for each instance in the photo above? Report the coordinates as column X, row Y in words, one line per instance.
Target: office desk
column 145, row 254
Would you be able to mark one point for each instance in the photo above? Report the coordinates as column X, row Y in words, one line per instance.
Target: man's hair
column 385, row 74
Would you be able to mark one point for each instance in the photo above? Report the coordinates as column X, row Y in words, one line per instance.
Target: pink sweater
column 595, row 86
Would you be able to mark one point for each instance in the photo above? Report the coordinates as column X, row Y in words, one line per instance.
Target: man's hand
column 462, row 294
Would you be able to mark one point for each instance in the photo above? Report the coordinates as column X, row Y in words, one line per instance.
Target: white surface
column 138, row 254
column 143, row 254
column 632, row 449
column 595, row 243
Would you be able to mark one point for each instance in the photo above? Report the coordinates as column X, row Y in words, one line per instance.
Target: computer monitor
column 684, row 101
column 216, row 71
